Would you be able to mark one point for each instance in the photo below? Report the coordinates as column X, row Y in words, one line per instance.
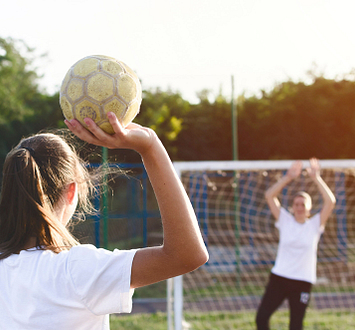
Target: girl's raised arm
column 271, row 194
column 183, row 249
column 328, row 197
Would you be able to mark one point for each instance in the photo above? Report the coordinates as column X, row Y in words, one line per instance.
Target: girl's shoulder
column 284, row 213
column 284, row 218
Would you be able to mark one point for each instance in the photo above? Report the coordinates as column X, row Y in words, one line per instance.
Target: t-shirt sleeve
column 102, row 278
column 315, row 220
column 282, row 217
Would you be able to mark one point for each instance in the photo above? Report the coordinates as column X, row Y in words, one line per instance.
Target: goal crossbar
column 235, row 165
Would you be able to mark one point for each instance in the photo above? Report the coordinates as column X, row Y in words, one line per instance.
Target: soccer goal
column 239, row 231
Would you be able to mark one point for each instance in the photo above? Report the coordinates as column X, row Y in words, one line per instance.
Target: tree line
column 295, row 120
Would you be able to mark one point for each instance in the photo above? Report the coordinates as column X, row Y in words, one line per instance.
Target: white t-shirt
column 297, row 251
column 74, row 289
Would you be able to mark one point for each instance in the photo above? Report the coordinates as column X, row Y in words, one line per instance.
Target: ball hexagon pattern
column 96, row 85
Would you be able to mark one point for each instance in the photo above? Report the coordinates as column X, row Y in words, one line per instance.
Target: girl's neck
column 301, row 219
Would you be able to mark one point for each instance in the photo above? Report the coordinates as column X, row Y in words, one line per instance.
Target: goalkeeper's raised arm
column 272, row 193
column 328, row 197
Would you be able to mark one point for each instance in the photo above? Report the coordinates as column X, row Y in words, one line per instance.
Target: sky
column 189, row 45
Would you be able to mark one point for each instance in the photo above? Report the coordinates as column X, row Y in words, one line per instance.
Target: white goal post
column 228, row 198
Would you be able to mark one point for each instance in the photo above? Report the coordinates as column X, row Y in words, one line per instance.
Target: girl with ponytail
column 48, row 280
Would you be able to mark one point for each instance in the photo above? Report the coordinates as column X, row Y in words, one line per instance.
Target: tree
column 164, row 112
column 17, row 81
column 206, row 131
column 299, row 121
column 24, row 109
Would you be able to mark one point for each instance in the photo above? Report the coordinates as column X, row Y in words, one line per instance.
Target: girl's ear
column 71, row 192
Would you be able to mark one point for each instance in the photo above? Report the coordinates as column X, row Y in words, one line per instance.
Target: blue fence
column 137, row 203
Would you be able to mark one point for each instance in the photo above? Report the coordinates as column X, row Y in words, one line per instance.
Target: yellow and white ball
column 96, row 85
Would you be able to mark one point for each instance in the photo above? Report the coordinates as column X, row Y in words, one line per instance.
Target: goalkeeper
column 294, row 271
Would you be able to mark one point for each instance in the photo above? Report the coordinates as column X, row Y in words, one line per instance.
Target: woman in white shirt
column 294, row 271
column 48, row 280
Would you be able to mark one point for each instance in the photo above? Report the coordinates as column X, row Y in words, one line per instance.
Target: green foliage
column 206, row 132
column 299, row 121
column 23, row 109
column 17, row 81
column 164, row 112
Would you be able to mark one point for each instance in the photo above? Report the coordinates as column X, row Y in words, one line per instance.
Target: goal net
column 239, row 231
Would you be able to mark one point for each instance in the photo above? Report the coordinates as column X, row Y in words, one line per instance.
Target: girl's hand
column 133, row 136
column 314, row 169
column 295, row 170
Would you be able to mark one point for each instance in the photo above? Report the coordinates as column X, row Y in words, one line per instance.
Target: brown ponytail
column 35, row 174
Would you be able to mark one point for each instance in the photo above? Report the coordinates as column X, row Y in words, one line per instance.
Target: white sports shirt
column 74, row 289
column 297, row 251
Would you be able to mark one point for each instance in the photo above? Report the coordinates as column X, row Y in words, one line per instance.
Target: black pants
column 279, row 289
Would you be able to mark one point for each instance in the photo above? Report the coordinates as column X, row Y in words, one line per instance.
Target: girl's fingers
column 119, row 130
column 296, row 167
column 81, row 132
column 133, row 136
column 77, row 128
column 115, row 123
column 94, row 129
column 314, row 163
column 314, row 168
column 95, row 135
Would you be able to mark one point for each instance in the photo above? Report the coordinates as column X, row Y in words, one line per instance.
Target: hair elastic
column 32, row 152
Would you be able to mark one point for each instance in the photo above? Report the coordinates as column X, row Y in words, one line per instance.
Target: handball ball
column 96, row 85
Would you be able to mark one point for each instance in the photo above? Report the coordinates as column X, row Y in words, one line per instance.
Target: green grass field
column 325, row 320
